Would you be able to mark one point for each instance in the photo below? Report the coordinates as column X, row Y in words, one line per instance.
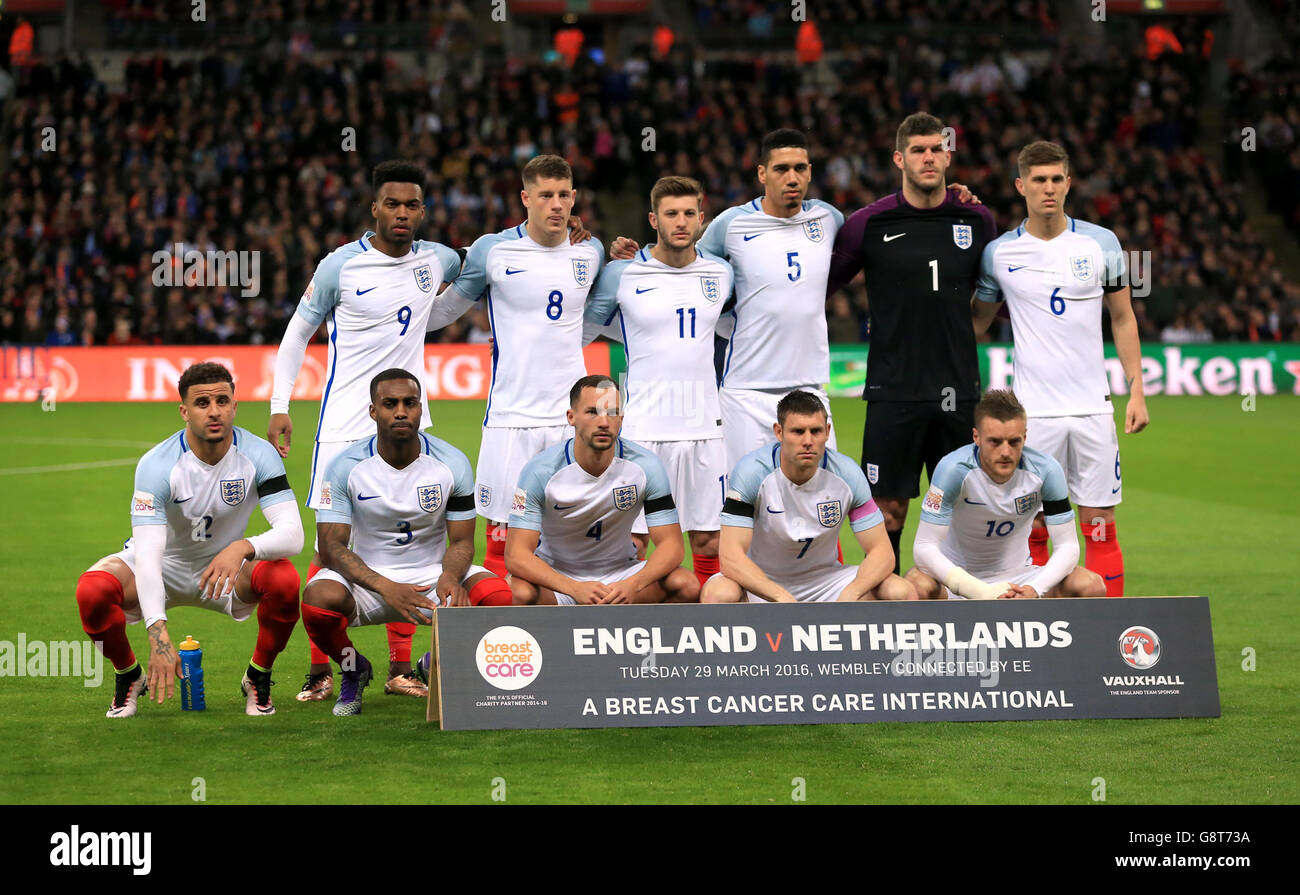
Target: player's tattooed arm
column 456, row 562
column 407, row 599
column 164, row 662
column 333, row 538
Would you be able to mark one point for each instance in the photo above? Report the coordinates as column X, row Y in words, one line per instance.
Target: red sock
column 1038, row 545
column 277, row 582
column 705, row 566
column 490, row 592
column 495, row 561
column 318, row 656
column 329, row 629
column 399, row 641
column 99, row 598
column 1102, row 555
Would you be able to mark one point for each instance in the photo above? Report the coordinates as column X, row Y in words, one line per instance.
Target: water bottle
column 192, row 676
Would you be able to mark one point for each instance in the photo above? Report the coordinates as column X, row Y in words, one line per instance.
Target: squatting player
column 667, row 301
column 781, row 522
column 570, row 539
column 919, row 249
column 194, row 494
column 976, row 517
column 374, row 296
column 535, row 285
column 396, row 521
column 1056, row 272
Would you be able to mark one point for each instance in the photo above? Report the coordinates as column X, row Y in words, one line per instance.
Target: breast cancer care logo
column 508, row 658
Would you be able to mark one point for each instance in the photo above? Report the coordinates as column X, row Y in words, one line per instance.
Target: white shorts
column 502, row 454
column 372, row 609
column 1087, row 448
column 1023, row 575
column 181, row 586
column 697, row 474
column 322, row 455
column 749, row 414
column 816, row 590
column 566, row 600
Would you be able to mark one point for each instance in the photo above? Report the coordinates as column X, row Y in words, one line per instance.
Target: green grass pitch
column 1210, row 508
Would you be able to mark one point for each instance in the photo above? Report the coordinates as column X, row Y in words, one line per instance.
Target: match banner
column 150, row 373
column 823, row 663
column 1236, row 368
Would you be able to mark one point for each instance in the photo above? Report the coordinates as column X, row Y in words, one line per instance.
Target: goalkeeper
column 973, row 540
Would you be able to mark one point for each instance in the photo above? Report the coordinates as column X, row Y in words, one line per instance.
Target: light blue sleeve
column 835, row 212
column 602, row 303
column 462, row 475
column 714, row 240
column 448, row 258
column 600, row 252
column 268, row 469
column 153, row 487
column 986, row 287
column 657, row 487
column 743, row 485
column 1116, row 269
column 336, row 478
column 1054, row 486
column 863, row 512
column 530, row 494
column 472, row 280
column 945, row 487
column 323, row 292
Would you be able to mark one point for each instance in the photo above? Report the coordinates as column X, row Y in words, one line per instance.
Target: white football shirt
column 988, row 524
column 398, row 516
column 535, row 298
column 586, row 521
column 666, row 317
column 206, row 508
column 1053, row 289
column 797, row 527
column 781, row 267
column 375, row 308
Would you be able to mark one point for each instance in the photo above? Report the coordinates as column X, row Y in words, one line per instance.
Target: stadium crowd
column 232, row 152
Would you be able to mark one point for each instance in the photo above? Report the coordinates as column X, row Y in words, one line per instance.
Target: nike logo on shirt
column 569, row 507
column 178, row 500
column 1014, row 269
column 977, row 503
column 510, row 272
column 754, row 236
column 770, row 510
column 651, row 289
column 366, row 496
column 364, row 291
column 895, row 236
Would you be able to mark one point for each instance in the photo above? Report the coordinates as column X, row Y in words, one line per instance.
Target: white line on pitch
column 70, row 467
column 79, row 442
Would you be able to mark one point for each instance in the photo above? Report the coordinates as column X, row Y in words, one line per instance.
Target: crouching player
column 194, row 494
column 396, row 521
column 570, row 539
column 976, row 517
column 781, row 520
